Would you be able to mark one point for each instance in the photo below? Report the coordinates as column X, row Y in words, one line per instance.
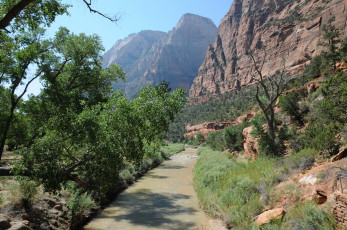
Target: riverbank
column 47, row 211
column 241, row 191
column 164, row 198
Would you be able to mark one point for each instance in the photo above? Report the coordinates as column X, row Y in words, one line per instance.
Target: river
column 162, row 199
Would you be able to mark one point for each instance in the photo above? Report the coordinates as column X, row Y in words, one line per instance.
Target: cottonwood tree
column 23, row 49
column 12, row 10
column 268, row 90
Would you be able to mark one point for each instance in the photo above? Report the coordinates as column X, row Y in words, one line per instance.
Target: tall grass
column 229, row 189
column 172, row 148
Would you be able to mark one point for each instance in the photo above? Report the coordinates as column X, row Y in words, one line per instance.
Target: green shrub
column 24, row 192
column 79, row 203
column 233, row 137
column 335, row 102
column 230, row 189
column 306, row 216
column 321, row 137
column 289, row 104
column 215, row 140
column 170, row 149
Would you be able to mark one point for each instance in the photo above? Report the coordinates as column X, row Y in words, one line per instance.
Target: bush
column 321, row 137
column 229, row 189
column 306, row 216
column 79, row 203
column 170, row 149
column 215, row 140
column 289, row 104
column 24, row 192
column 335, row 102
column 233, row 137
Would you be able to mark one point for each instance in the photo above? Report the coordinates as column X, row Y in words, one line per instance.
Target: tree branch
column 89, row 4
column 5, row 21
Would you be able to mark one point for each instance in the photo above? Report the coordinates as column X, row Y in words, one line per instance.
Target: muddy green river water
column 163, row 199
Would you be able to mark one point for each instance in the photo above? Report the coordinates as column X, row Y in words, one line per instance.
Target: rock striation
column 290, row 29
column 151, row 56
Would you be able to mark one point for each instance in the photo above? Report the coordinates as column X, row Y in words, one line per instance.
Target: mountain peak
column 193, row 19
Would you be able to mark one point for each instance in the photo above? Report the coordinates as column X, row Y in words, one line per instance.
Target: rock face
column 290, row 29
column 206, row 128
column 151, row 56
column 250, row 144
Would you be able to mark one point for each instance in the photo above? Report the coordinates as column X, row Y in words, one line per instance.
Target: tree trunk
column 6, row 172
column 4, row 134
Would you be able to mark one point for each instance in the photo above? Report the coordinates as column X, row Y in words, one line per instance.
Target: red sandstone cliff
column 288, row 28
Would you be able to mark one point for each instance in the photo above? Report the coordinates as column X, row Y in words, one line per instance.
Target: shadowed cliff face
column 290, row 30
column 150, row 56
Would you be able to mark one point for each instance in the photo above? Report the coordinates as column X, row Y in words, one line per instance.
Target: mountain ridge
column 174, row 56
column 291, row 29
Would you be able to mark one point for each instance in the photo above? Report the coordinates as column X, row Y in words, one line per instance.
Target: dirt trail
column 163, row 199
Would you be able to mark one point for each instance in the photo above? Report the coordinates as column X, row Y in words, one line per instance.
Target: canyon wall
column 289, row 29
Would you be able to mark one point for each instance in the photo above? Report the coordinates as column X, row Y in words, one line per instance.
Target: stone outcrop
column 250, row 143
column 206, row 128
column 291, row 30
column 267, row 216
column 340, row 208
column 151, row 56
column 342, row 154
column 312, row 87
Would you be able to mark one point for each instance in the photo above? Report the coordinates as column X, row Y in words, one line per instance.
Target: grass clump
column 23, row 192
column 230, row 189
column 306, row 216
column 171, row 149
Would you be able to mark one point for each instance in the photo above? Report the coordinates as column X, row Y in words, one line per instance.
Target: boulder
column 250, row 144
column 267, row 216
column 20, row 226
column 312, row 87
column 5, row 222
column 311, row 179
column 342, row 154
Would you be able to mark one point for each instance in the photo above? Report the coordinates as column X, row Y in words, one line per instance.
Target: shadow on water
column 149, row 209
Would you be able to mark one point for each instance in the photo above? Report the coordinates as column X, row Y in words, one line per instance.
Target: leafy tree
column 98, row 141
column 35, row 11
column 335, row 102
column 321, row 136
column 22, row 49
column 331, row 36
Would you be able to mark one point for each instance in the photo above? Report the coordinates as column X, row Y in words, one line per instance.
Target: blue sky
column 135, row 15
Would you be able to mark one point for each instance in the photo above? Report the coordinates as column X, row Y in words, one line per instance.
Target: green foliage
column 289, row 104
column 335, row 102
column 321, row 136
column 233, row 137
column 230, row 189
column 331, row 36
column 197, row 140
column 78, row 203
column 92, row 145
column 24, row 192
column 224, row 107
column 229, row 138
column 314, row 69
column 171, row 149
column 308, row 215
column 215, row 140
